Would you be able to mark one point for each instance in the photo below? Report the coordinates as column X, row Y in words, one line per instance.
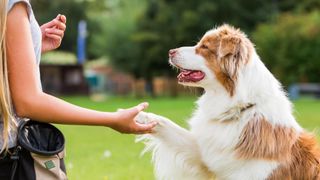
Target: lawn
column 98, row 153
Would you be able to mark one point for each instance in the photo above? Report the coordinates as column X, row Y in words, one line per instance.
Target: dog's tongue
column 190, row 76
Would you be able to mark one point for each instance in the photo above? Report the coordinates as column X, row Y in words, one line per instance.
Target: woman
column 22, row 42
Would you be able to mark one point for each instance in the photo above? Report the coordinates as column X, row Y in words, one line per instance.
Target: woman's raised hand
column 52, row 33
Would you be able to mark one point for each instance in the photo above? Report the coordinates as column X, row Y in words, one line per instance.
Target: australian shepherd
column 243, row 126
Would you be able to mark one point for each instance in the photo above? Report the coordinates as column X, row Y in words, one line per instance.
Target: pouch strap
column 15, row 157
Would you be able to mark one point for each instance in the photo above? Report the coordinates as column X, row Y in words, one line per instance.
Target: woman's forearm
column 47, row 108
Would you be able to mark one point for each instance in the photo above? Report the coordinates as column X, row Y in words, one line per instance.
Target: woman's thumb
column 142, row 106
column 58, row 17
column 136, row 109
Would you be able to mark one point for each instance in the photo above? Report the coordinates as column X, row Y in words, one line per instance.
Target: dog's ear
column 229, row 45
column 231, row 54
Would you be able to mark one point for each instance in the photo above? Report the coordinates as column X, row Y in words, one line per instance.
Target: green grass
column 86, row 146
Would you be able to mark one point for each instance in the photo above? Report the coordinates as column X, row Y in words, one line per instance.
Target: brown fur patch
column 226, row 51
column 262, row 140
column 304, row 162
column 298, row 154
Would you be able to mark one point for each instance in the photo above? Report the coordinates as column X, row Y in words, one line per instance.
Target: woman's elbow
column 21, row 107
column 24, row 106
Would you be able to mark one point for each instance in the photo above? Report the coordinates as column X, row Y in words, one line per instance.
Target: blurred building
column 105, row 79
column 63, row 79
column 62, row 75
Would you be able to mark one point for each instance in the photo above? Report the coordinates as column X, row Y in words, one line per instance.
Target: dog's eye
column 203, row 46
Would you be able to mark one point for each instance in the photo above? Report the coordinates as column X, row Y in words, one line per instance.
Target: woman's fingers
column 55, row 37
column 55, row 23
column 55, row 32
column 136, row 109
column 145, row 128
column 63, row 19
column 142, row 106
column 59, row 22
column 59, row 25
column 128, row 124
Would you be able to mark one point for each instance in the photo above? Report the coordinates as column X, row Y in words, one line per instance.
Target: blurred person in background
column 21, row 96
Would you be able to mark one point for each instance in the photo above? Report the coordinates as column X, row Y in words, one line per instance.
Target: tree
column 137, row 34
column 168, row 24
column 289, row 46
column 113, row 35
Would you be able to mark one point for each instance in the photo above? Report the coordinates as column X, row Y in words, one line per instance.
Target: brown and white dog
column 243, row 127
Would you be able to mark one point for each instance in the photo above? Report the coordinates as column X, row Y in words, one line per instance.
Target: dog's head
column 217, row 57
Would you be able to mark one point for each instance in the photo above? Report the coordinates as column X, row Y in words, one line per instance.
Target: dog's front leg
column 175, row 152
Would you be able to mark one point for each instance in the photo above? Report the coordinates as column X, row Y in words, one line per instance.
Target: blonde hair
column 6, row 112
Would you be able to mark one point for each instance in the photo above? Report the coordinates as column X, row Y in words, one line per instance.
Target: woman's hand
column 52, row 33
column 124, row 121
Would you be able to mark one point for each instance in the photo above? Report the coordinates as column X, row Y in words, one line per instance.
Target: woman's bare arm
column 28, row 98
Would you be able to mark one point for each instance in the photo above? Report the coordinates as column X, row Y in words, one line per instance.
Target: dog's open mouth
column 186, row 75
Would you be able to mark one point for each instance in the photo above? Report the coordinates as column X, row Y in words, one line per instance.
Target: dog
column 243, row 126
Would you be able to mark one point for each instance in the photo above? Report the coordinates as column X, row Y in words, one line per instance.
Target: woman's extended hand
column 125, row 123
column 52, row 33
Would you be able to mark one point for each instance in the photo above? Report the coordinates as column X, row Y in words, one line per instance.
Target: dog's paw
column 143, row 118
column 163, row 124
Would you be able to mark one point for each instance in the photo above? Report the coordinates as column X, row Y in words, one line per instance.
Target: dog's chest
column 217, row 143
column 215, row 136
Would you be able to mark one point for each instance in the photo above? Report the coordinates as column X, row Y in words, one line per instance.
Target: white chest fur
column 217, row 142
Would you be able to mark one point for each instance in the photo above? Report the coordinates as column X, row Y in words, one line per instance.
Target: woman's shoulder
column 11, row 4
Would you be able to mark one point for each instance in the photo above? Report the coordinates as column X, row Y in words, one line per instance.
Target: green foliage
column 169, row 24
column 289, row 46
column 113, row 36
column 307, row 6
column 137, row 34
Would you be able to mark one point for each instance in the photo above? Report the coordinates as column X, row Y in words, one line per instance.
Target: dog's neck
column 215, row 102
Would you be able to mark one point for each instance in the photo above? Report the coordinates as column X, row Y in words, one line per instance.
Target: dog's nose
column 172, row 52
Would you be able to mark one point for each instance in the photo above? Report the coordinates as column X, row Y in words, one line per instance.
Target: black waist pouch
column 40, row 153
